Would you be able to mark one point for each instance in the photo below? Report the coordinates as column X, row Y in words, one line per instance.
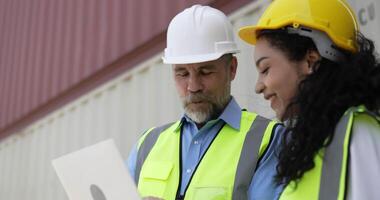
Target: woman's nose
column 259, row 87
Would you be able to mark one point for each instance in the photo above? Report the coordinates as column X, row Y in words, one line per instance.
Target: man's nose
column 194, row 84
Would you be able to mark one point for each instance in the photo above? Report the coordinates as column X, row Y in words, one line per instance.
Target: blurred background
column 76, row 72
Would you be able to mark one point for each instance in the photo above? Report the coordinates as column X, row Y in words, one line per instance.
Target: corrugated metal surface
column 122, row 108
column 368, row 16
column 49, row 47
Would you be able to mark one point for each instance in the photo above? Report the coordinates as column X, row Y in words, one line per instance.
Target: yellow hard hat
column 333, row 17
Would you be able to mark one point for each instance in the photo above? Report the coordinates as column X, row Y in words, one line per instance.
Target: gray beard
column 215, row 105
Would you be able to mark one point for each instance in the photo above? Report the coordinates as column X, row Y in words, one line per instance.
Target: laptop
column 96, row 172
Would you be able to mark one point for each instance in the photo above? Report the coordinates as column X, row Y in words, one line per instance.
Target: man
column 212, row 151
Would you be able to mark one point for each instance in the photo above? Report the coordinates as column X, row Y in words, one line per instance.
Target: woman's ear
column 312, row 57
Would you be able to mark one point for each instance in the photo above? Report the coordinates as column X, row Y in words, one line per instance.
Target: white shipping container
column 123, row 109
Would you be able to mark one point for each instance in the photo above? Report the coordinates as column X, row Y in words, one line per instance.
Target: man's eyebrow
column 207, row 66
column 260, row 59
column 179, row 68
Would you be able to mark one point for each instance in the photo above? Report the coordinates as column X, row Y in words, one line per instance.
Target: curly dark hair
column 321, row 99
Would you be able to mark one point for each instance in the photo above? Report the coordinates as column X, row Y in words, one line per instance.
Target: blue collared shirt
column 196, row 141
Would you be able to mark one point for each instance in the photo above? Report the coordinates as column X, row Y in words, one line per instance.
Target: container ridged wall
column 121, row 109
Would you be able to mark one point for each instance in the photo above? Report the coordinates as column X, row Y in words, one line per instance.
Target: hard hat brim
column 195, row 58
column 248, row 34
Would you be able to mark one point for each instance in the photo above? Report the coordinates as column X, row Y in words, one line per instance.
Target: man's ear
column 233, row 67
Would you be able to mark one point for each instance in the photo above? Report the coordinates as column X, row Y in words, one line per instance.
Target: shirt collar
column 231, row 115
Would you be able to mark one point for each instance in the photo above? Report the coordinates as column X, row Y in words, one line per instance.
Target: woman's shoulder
column 364, row 174
column 365, row 131
column 366, row 124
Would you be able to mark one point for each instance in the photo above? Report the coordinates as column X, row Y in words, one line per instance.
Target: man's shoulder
column 165, row 126
column 153, row 133
column 258, row 116
column 161, row 127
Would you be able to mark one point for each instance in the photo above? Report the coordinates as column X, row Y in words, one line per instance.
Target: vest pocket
column 210, row 193
column 155, row 176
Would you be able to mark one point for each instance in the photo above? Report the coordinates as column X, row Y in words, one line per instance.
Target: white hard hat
column 198, row 34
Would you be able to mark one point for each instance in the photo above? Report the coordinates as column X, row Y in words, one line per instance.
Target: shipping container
column 134, row 99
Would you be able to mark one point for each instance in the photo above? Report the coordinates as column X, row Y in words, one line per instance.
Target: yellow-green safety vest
column 224, row 172
column 327, row 180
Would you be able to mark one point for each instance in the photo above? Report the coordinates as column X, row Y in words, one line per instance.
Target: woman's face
column 278, row 77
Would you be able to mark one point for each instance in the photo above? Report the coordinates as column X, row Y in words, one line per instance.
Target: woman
column 323, row 80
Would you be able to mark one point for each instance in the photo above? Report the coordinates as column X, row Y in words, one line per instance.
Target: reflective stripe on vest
column 256, row 140
column 249, row 157
column 334, row 168
column 327, row 180
column 146, row 146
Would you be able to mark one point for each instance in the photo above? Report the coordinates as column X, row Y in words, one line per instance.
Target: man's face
column 204, row 88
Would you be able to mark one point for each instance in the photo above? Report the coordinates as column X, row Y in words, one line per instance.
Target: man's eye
column 182, row 74
column 206, row 72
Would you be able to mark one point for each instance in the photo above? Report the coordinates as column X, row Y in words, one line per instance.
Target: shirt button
column 196, row 142
column 188, row 171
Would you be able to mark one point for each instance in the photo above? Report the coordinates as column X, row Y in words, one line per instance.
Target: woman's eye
column 265, row 70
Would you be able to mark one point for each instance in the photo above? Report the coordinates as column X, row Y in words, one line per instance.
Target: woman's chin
column 280, row 115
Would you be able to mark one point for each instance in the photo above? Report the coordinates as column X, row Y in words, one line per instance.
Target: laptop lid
column 96, row 172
